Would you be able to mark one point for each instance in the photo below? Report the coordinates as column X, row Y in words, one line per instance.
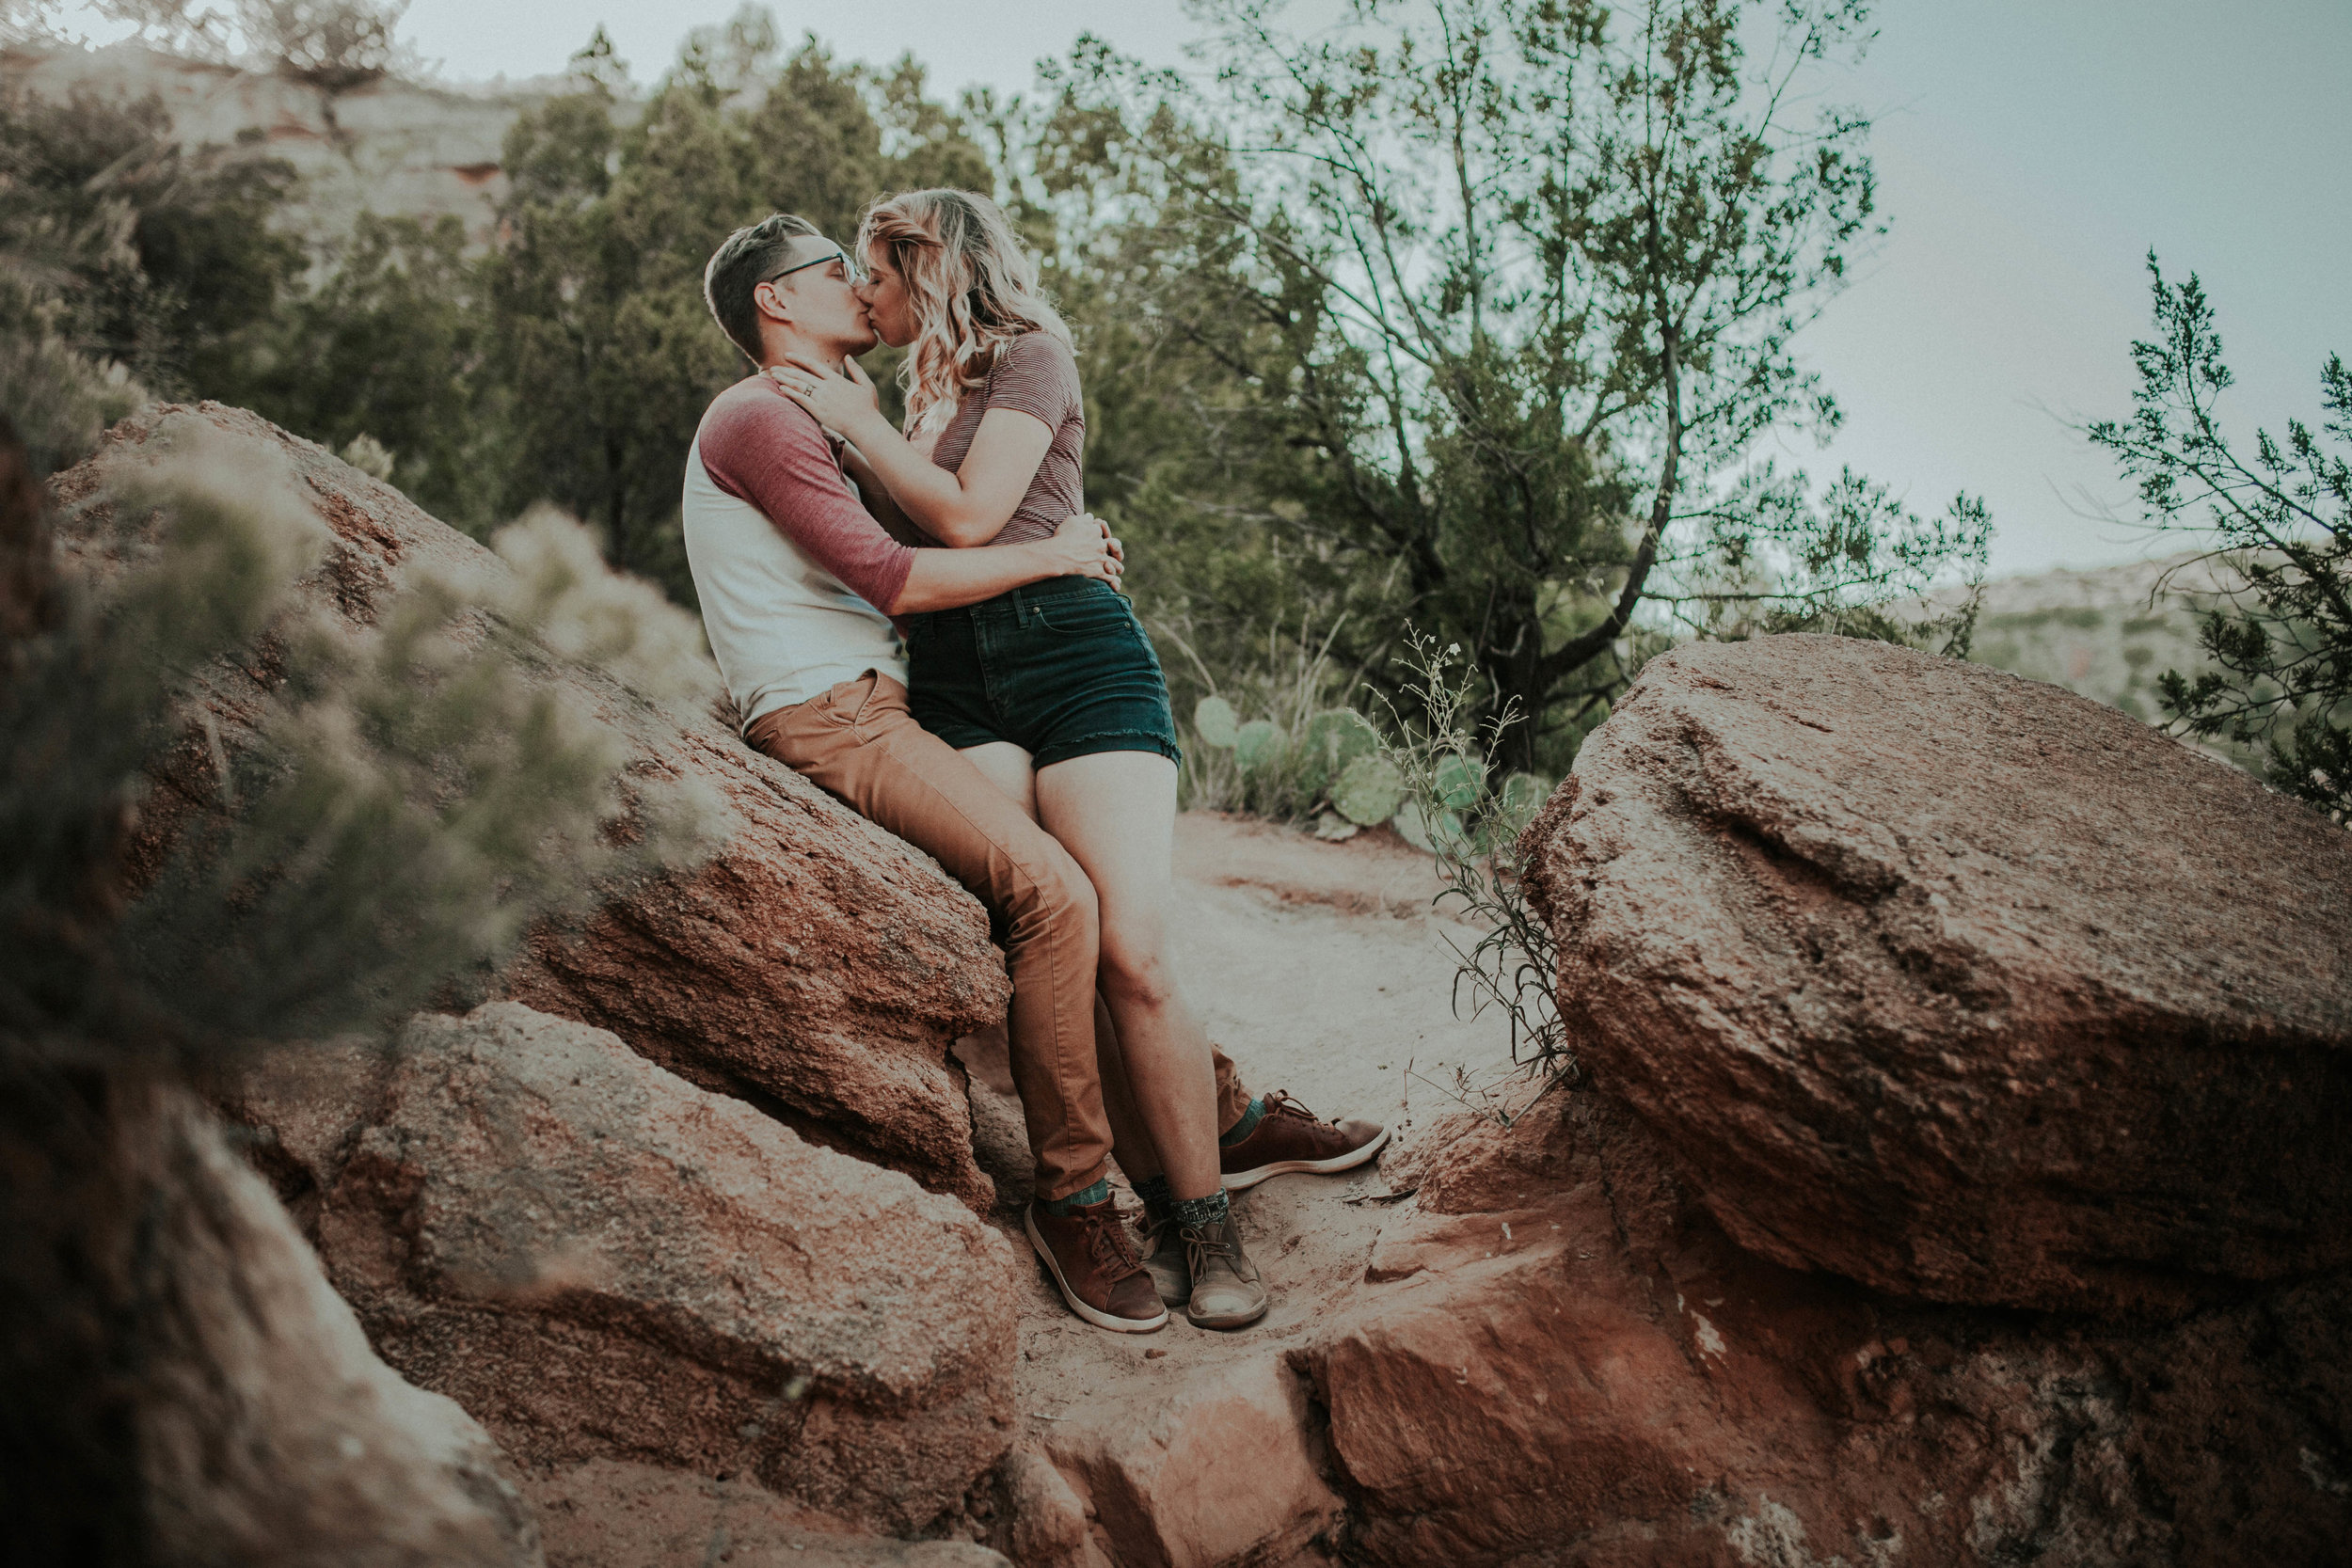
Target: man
column 796, row 582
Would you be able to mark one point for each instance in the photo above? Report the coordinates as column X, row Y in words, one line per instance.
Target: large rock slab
column 609, row 1513
column 1224, row 1472
column 811, row 962
column 1558, row 1357
column 601, row 1262
column 184, row 1386
column 1956, row 984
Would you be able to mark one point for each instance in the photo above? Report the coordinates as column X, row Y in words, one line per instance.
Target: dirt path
column 1320, row 969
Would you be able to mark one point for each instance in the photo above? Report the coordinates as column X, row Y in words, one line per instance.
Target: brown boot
column 1226, row 1290
column 1088, row 1253
column 1291, row 1137
column 1164, row 1260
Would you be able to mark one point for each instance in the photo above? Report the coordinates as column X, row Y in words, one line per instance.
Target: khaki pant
column 859, row 742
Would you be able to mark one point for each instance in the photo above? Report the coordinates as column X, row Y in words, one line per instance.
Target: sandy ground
column 1321, row 970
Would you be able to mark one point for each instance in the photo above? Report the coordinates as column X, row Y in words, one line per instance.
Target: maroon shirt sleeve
column 763, row 447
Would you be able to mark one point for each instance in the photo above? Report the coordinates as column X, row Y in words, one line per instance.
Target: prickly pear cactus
column 1213, row 722
column 1458, row 781
column 1333, row 738
column 1521, row 797
column 1425, row 832
column 1369, row 790
column 1257, row 744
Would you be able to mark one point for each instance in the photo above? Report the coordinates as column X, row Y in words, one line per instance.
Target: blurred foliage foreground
column 404, row 800
column 1473, row 320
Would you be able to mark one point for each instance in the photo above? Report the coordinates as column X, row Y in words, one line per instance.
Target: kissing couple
column 928, row 624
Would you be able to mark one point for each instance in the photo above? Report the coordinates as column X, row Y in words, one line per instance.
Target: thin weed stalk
column 1472, row 824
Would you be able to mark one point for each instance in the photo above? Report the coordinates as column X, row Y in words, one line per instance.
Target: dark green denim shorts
column 1061, row 669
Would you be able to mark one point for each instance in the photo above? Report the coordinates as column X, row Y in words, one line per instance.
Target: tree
column 598, row 339
column 333, row 45
column 391, row 345
column 1501, row 297
column 157, row 258
column 2281, row 520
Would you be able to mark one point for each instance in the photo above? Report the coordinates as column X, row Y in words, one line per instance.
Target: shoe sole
column 1242, row 1179
column 1094, row 1315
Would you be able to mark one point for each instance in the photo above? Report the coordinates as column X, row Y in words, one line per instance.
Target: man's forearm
column 945, row 579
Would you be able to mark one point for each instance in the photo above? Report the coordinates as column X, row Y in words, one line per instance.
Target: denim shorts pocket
column 1092, row 616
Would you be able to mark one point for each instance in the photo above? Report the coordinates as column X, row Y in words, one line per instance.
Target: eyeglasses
column 856, row 273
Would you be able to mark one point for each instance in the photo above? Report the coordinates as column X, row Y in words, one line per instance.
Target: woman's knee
column 1134, row 969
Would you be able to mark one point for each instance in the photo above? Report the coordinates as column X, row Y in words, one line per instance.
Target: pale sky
column 2029, row 153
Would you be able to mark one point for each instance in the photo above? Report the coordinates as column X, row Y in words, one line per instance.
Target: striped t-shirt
column 1034, row 373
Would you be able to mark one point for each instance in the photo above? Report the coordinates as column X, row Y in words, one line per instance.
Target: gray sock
column 1194, row 1212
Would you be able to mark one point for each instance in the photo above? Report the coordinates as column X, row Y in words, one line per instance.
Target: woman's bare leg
column 1007, row 767
column 1114, row 812
column 1131, row 1136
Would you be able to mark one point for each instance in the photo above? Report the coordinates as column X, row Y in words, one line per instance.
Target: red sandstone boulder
column 266, row 1431
column 1956, row 984
column 600, row 1261
column 1581, row 1368
column 610, row 1514
column 1226, row 1472
column 811, row 962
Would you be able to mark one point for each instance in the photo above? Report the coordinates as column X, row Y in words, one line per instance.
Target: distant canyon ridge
column 392, row 146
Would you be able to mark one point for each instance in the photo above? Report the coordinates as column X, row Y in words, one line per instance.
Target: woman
column 1053, row 690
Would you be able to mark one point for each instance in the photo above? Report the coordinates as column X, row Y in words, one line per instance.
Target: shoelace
column 1282, row 1102
column 1197, row 1247
column 1106, row 1245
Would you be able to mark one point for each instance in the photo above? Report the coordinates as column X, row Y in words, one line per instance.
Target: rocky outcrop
column 610, row 1514
column 602, row 1262
column 1956, row 1185
column 201, row 1395
column 1958, row 985
column 1224, row 1471
column 387, row 146
column 1567, row 1361
column 810, row 962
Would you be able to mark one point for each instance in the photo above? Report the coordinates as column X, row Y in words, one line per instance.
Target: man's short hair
column 743, row 261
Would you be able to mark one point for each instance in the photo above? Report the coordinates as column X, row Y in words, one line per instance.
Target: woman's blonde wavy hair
column 974, row 287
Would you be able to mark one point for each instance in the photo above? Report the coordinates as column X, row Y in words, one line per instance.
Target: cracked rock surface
column 1956, row 984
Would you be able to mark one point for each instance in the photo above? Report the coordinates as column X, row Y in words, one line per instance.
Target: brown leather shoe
column 1088, row 1253
column 1291, row 1137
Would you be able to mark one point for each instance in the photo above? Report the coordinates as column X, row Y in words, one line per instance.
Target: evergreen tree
column 2281, row 519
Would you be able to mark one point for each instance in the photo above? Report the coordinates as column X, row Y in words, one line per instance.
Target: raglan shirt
column 790, row 570
column 1036, row 375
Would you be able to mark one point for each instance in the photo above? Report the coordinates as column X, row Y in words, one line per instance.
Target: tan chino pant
column 859, row 742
